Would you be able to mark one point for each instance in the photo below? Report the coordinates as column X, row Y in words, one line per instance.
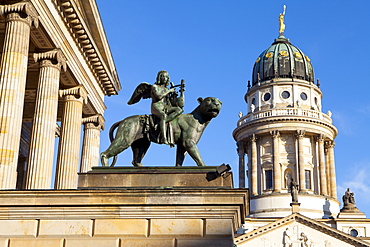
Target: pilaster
column 300, row 134
column 13, row 70
column 40, row 160
column 91, row 142
column 69, row 143
column 277, row 170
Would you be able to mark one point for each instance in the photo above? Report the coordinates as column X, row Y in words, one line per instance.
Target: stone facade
column 56, row 66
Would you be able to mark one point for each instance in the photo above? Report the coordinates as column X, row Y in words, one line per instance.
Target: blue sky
column 213, row 44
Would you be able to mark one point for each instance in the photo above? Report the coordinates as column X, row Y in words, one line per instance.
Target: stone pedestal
column 295, row 207
column 163, row 217
column 129, row 177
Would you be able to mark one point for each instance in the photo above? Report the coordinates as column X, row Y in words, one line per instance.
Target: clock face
column 285, row 94
column 266, row 96
column 303, row 96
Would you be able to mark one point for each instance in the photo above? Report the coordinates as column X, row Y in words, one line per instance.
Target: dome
column 282, row 60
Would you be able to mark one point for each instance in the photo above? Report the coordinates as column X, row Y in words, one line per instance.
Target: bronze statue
column 184, row 130
column 165, row 104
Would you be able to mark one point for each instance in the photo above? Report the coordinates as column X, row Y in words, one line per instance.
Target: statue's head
column 210, row 106
column 163, row 78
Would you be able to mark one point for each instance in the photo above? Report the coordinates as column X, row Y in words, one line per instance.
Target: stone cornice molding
column 55, row 54
column 78, row 29
column 78, row 91
column 282, row 119
column 23, row 7
column 97, row 120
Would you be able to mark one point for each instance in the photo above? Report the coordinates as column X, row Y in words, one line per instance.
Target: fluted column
column 327, row 163
column 300, row 134
column 91, row 142
column 41, row 154
column 322, row 168
column 333, row 182
column 253, row 141
column 69, row 142
column 13, row 70
column 241, row 154
column 277, row 170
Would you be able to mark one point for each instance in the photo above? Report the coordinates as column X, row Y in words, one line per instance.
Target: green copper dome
column 282, row 60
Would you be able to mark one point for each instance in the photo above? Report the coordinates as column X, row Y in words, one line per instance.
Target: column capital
column 22, row 7
column 253, row 138
column 53, row 55
column 320, row 138
column 300, row 133
column 275, row 133
column 96, row 121
column 329, row 144
column 241, row 147
column 77, row 92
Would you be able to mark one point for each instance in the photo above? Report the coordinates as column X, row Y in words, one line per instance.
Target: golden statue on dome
column 281, row 22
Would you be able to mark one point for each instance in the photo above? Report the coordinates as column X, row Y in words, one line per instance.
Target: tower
column 286, row 136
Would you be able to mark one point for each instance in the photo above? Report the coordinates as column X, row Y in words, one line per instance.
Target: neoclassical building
column 56, row 68
column 286, row 144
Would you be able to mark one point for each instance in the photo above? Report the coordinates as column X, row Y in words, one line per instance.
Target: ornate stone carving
column 45, row 59
column 23, row 7
column 78, row 92
column 96, row 121
column 300, row 133
column 275, row 133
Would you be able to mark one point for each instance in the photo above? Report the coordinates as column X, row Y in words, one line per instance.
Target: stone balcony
column 288, row 112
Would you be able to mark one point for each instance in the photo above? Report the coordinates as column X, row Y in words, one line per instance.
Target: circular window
column 285, row 95
column 267, row 96
column 353, row 233
column 303, row 96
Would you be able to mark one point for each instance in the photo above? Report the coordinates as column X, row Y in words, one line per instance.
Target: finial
column 281, row 22
column 249, row 84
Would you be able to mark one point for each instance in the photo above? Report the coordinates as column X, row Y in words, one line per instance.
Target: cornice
column 78, row 29
column 283, row 119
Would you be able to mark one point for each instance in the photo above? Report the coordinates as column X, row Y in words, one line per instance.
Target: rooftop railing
column 294, row 112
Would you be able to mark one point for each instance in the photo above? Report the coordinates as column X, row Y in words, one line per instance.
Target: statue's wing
column 141, row 92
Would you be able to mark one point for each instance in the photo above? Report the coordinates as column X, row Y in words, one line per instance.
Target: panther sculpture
column 186, row 131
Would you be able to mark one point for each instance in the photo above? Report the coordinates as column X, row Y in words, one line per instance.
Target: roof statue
column 281, row 22
column 349, row 204
column 166, row 125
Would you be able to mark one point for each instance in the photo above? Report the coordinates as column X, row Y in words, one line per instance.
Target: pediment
column 296, row 231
